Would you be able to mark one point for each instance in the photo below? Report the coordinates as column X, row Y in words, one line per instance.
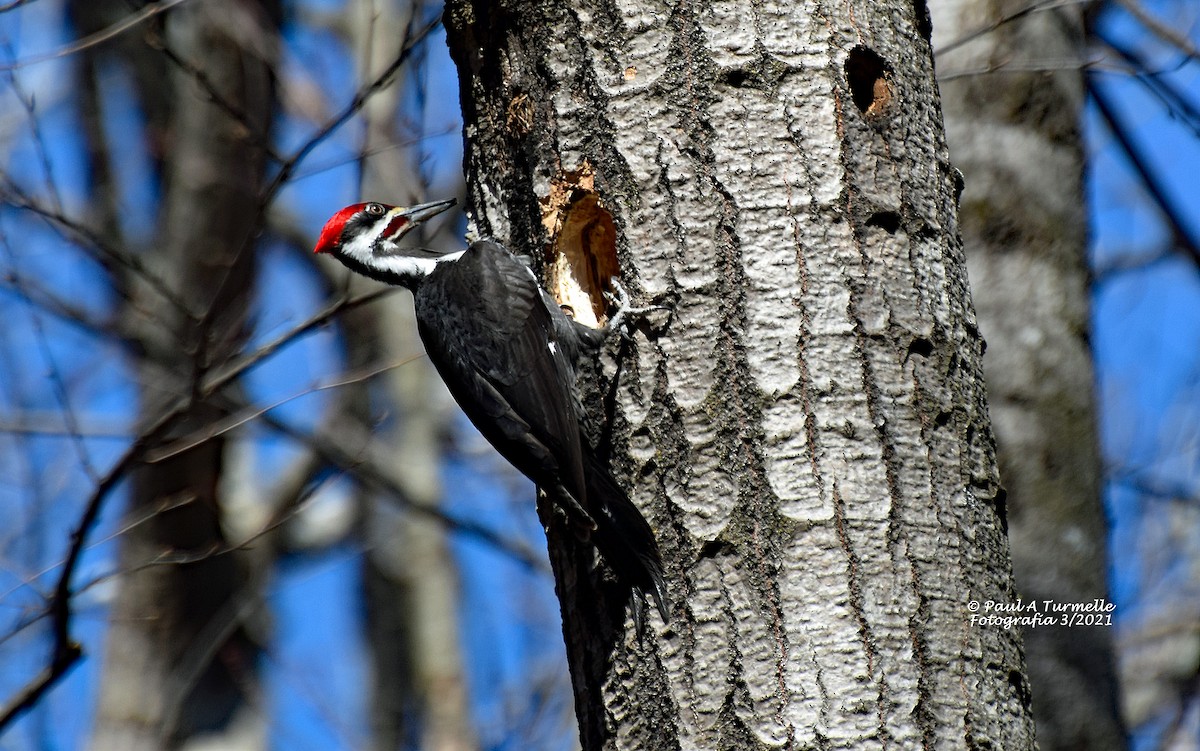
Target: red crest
column 331, row 233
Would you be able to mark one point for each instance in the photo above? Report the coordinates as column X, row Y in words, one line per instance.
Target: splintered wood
column 582, row 255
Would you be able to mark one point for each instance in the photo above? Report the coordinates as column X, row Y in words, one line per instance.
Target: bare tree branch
column 364, row 154
column 252, row 131
column 147, row 12
column 36, row 294
column 253, row 412
column 110, row 256
column 1176, row 102
column 35, row 130
column 14, row 5
column 365, row 93
column 56, row 380
column 63, row 659
column 1182, row 235
column 66, row 652
column 328, row 443
column 1033, row 7
column 1024, row 66
column 228, row 373
column 1164, row 32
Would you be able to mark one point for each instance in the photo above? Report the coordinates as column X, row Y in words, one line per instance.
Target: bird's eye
column 375, row 209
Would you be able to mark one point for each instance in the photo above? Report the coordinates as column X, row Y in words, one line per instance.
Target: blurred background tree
column 165, row 168
column 1014, row 124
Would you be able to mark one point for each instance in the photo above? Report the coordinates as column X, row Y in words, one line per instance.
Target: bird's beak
column 403, row 219
column 417, row 214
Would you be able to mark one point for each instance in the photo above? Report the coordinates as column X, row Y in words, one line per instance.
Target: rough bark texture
column 808, row 433
column 179, row 661
column 1016, row 136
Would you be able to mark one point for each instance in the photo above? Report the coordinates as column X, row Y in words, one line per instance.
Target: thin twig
column 1177, row 103
column 35, row 129
column 13, row 5
column 318, row 169
column 58, row 386
column 220, row 379
column 1023, row 66
column 91, row 40
column 1033, row 7
column 108, row 255
column 1158, row 194
column 365, row 93
column 327, row 444
column 289, row 166
column 65, row 651
column 62, row 661
column 1163, row 31
column 251, row 412
column 61, row 309
column 254, row 130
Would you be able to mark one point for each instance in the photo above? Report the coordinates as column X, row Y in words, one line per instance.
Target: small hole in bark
column 715, row 548
column 920, row 346
column 1020, row 685
column 868, row 74
column 888, row 221
column 735, row 78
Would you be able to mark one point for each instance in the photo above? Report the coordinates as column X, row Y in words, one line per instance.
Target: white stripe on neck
column 397, row 264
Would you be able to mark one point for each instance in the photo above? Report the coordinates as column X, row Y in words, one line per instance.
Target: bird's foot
column 626, row 312
column 581, row 521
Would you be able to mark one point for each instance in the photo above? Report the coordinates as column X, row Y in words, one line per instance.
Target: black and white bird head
column 366, row 238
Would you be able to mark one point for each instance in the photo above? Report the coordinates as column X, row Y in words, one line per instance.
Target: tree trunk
column 1016, row 135
column 179, row 661
column 808, row 432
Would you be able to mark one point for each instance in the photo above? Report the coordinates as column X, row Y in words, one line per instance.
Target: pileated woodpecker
column 507, row 353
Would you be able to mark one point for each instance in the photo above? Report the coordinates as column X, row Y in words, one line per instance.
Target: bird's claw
column 619, row 298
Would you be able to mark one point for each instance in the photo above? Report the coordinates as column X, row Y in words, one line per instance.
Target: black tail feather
column 624, row 537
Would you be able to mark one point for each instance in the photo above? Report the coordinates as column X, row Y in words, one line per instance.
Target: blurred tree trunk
column 410, row 578
column 180, row 661
column 1015, row 133
column 808, row 433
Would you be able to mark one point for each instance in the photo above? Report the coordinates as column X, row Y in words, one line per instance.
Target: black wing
column 492, row 339
column 508, row 359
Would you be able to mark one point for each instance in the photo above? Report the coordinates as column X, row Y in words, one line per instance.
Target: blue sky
column 1146, row 331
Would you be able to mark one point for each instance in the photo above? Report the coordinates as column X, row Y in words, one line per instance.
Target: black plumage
column 507, row 354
